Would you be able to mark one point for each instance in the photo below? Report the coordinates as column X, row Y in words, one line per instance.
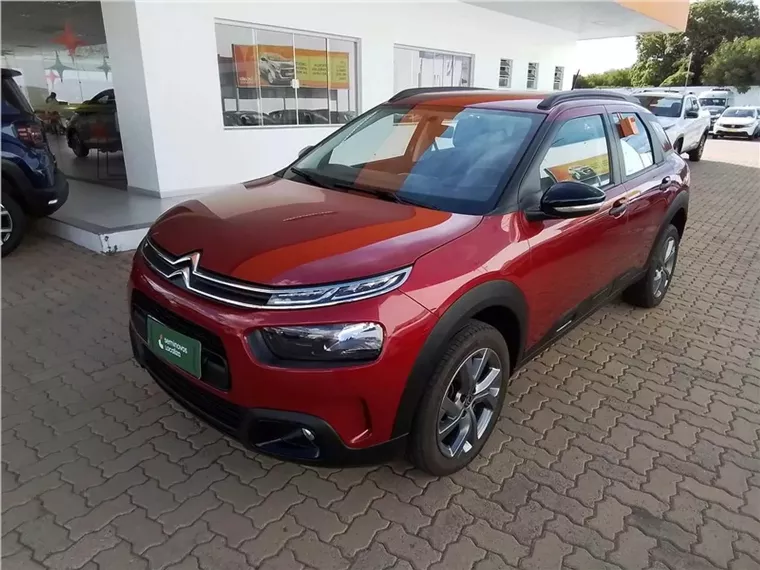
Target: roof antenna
column 575, row 79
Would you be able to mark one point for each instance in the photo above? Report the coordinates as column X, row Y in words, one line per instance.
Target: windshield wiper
column 383, row 194
column 311, row 179
column 333, row 184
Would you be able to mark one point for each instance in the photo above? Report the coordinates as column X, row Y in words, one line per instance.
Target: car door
column 647, row 178
column 693, row 130
column 573, row 261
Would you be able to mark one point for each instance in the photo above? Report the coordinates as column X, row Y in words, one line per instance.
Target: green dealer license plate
column 177, row 349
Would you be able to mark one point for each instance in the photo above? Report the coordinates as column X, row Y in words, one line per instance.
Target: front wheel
column 77, row 145
column 13, row 224
column 650, row 290
column 462, row 401
column 696, row 154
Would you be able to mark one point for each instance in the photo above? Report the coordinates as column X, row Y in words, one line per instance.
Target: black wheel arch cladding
column 497, row 293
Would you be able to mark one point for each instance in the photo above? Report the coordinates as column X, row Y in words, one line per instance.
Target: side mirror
column 304, row 150
column 571, row 200
column 692, row 115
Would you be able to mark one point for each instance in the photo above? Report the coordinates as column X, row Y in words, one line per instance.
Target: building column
column 133, row 111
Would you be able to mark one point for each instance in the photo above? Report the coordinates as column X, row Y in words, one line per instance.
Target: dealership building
column 191, row 96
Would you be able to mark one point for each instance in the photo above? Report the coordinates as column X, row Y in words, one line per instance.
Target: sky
column 600, row 55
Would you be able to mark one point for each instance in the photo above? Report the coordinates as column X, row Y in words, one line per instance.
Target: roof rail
column 556, row 98
column 420, row 90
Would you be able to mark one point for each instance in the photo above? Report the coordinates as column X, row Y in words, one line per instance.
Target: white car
column 738, row 121
column 686, row 123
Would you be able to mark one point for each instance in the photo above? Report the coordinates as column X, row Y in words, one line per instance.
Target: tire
column 13, row 219
column 696, row 154
column 444, row 454
column 650, row 290
column 677, row 146
column 76, row 144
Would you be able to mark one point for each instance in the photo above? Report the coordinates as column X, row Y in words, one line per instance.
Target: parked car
column 275, row 69
column 32, row 184
column 686, row 123
column 738, row 121
column 95, row 125
column 716, row 101
column 376, row 295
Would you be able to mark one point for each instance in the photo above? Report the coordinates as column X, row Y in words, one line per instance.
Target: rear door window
column 638, row 153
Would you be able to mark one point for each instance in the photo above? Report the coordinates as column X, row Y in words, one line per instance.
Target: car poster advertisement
column 271, row 66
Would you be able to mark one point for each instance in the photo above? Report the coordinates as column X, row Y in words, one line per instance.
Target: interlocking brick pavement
column 632, row 444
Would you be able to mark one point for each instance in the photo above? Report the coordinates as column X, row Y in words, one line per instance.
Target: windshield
column 449, row 158
column 660, row 105
column 747, row 113
column 712, row 102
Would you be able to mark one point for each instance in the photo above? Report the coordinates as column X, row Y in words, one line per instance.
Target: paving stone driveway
column 632, row 444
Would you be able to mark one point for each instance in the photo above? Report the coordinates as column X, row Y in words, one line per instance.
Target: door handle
column 619, row 207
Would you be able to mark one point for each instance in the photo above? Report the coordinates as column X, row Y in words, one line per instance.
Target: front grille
column 222, row 414
column 214, row 369
column 184, row 273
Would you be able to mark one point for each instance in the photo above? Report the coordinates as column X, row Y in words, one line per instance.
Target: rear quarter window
column 14, row 101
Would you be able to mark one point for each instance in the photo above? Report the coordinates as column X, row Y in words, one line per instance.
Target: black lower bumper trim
column 291, row 436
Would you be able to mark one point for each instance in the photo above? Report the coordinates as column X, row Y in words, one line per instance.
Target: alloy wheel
column 664, row 269
column 470, row 402
column 7, row 223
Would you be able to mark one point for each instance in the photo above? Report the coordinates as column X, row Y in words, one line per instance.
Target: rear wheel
column 696, row 154
column 462, row 401
column 77, row 145
column 650, row 290
column 13, row 224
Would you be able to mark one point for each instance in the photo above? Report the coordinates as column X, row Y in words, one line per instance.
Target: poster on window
column 274, row 66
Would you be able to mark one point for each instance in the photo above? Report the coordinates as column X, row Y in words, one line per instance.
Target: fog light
column 342, row 342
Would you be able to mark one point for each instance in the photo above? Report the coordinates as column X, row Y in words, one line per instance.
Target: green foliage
column 661, row 57
column 735, row 63
column 611, row 78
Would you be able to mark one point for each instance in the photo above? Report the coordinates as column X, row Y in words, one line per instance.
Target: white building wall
column 177, row 47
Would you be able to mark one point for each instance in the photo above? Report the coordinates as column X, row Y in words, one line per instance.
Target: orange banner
column 274, row 66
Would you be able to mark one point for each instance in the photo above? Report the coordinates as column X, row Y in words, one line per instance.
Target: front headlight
column 326, row 343
column 325, row 295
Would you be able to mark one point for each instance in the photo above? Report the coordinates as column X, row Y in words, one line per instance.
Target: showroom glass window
column 532, row 82
column 414, row 67
column 273, row 77
column 505, row 73
column 559, row 77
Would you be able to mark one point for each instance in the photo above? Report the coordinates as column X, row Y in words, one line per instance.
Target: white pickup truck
column 680, row 114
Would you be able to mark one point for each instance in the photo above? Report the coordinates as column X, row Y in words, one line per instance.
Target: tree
column 735, row 63
column 611, row 78
column 711, row 22
column 659, row 55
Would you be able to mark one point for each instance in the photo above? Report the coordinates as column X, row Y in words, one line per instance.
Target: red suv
column 377, row 295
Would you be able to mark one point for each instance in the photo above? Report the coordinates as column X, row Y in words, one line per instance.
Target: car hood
column 736, row 120
column 667, row 122
column 284, row 233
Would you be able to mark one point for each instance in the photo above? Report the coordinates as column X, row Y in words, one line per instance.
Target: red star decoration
column 52, row 77
column 68, row 39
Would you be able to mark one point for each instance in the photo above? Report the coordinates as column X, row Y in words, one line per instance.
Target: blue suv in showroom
column 32, row 184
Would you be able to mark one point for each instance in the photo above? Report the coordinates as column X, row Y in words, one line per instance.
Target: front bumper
column 288, row 435
column 348, row 410
column 44, row 201
column 747, row 131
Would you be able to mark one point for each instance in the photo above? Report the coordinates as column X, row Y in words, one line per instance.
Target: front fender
column 489, row 294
